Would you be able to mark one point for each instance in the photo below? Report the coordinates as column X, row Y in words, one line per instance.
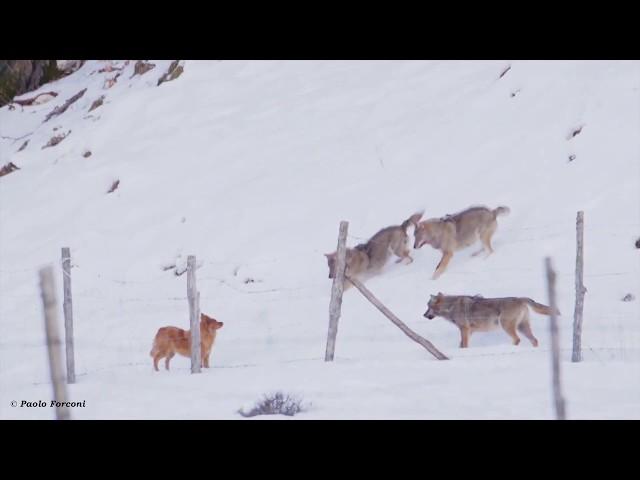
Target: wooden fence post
column 54, row 344
column 576, row 356
column 194, row 317
column 68, row 315
column 555, row 342
column 397, row 322
column 337, row 289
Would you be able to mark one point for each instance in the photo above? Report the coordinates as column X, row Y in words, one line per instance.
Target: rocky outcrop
column 21, row 76
column 174, row 71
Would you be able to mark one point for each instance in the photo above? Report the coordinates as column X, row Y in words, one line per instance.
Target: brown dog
column 172, row 340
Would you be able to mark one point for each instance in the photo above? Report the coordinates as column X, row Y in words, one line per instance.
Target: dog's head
column 422, row 235
column 331, row 261
column 434, row 306
column 210, row 322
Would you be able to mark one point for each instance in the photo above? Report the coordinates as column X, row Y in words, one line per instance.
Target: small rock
column 56, row 140
column 638, row 243
column 174, row 71
column 572, row 158
column 114, row 186
column 98, row 102
column 86, row 154
column 8, row 168
column 628, row 298
column 575, row 132
column 142, row 67
column 24, row 145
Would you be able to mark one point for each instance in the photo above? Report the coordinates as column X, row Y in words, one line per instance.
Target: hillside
column 250, row 166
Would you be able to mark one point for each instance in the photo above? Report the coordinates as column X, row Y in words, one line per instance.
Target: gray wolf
column 367, row 259
column 478, row 314
column 455, row 232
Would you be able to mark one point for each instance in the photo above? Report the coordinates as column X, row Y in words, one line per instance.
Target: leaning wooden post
column 337, row 289
column 555, row 342
column 68, row 315
column 576, row 356
column 194, row 320
column 54, row 344
column 397, row 322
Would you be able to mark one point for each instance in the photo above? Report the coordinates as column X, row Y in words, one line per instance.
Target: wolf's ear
column 440, row 294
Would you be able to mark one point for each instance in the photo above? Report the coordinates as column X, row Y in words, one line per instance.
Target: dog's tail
column 154, row 348
column 412, row 220
column 501, row 211
column 540, row 308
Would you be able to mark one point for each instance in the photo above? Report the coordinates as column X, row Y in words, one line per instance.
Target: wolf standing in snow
column 367, row 259
column 455, row 232
column 479, row 314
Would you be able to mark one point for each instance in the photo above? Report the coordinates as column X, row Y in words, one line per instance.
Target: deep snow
column 251, row 165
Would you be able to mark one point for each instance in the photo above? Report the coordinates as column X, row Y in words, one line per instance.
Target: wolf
column 478, row 314
column 171, row 340
column 455, row 232
column 367, row 259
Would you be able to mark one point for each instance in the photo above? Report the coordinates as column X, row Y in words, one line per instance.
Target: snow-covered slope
column 250, row 166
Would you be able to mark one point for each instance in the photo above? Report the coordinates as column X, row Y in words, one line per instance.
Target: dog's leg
column 156, row 359
column 167, row 360
column 446, row 257
column 205, row 359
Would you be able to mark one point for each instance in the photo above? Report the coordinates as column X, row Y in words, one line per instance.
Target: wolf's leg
column 442, row 266
column 465, row 333
column 404, row 254
column 485, row 237
column 168, row 359
column 509, row 326
column 524, row 327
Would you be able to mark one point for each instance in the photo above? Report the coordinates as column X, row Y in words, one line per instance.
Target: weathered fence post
column 194, row 317
column 555, row 342
column 68, row 315
column 396, row 321
column 54, row 344
column 337, row 289
column 576, row 356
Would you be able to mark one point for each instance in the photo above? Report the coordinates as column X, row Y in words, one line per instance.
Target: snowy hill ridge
column 250, row 166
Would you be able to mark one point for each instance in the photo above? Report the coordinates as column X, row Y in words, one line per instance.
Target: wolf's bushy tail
column 540, row 308
column 501, row 211
column 413, row 219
